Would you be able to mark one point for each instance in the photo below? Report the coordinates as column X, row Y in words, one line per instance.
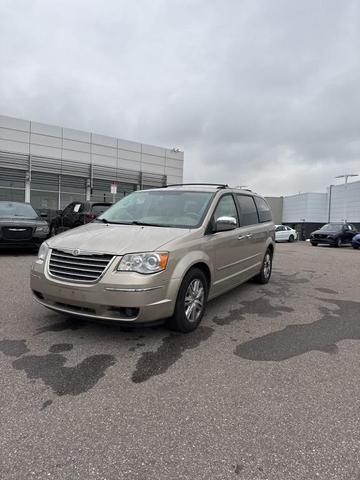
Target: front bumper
column 33, row 242
column 117, row 296
column 325, row 241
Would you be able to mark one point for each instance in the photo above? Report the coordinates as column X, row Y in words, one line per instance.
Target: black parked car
column 20, row 226
column 76, row 214
column 335, row 234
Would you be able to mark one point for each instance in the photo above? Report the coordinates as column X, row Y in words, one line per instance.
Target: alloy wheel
column 267, row 265
column 194, row 300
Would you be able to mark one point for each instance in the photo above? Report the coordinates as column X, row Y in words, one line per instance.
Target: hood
column 327, row 232
column 116, row 239
column 23, row 222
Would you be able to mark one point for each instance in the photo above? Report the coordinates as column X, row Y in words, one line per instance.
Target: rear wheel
column 291, row 238
column 191, row 302
column 266, row 269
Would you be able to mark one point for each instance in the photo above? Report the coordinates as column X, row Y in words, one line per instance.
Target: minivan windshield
column 331, row 227
column 13, row 209
column 161, row 208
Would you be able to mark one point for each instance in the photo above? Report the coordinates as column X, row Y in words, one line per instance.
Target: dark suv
column 335, row 234
column 76, row 214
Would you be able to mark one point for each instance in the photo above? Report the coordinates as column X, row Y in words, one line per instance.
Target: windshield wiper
column 145, row 224
column 104, row 220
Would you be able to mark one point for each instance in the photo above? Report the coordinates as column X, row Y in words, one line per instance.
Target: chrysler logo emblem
column 76, row 252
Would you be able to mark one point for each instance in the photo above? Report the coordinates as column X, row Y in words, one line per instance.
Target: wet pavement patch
column 294, row 340
column 68, row 324
column 13, row 348
column 170, row 350
column 64, row 380
column 135, row 347
column 61, row 347
column 261, row 306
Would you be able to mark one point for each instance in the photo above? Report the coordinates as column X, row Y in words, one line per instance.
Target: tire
column 185, row 318
column 266, row 268
column 338, row 243
column 291, row 238
column 356, row 247
column 314, row 244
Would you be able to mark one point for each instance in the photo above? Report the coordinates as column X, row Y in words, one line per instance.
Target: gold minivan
column 158, row 254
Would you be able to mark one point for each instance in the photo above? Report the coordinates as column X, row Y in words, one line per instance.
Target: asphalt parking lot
column 266, row 388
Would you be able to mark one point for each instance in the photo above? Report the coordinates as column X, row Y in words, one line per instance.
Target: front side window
column 226, row 208
column 77, row 207
column 248, row 212
column 162, row 208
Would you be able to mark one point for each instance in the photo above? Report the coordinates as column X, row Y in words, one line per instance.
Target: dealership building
column 51, row 166
column 308, row 211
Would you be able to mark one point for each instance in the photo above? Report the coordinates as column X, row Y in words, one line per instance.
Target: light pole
column 346, row 177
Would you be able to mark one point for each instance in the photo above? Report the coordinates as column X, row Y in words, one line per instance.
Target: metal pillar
column 27, row 187
column 88, row 189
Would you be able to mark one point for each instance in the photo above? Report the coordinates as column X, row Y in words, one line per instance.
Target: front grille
column 80, row 268
column 17, row 233
column 320, row 235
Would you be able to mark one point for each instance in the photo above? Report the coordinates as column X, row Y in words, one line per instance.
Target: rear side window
column 263, row 210
column 248, row 212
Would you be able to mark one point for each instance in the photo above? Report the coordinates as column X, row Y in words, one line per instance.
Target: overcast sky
column 259, row 93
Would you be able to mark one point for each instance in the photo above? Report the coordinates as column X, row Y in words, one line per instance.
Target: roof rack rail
column 218, row 185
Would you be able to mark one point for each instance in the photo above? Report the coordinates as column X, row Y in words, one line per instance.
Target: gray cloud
column 256, row 92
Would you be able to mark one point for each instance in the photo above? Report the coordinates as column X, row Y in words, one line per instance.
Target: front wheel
column 266, row 269
column 314, row 244
column 356, row 247
column 191, row 302
column 291, row 238
column 338, row 243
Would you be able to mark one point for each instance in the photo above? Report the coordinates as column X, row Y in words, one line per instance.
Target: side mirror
column 224, row 224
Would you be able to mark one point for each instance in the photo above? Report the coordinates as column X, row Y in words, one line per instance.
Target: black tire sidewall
column 178, row 321
column 291, row 238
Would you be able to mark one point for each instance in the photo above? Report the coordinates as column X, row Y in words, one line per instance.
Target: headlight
column 143, row 262
column 44, row 229
column 43, row 251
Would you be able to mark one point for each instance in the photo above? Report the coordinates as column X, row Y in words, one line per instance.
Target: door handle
column 241, row 237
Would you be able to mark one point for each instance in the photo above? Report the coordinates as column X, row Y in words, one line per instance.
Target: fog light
column 131, row 312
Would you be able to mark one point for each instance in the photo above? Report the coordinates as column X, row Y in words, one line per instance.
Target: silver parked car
column 158, row 254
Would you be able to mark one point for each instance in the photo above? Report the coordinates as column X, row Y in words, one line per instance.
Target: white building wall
column 345, row 202
column 305, row 207
column 39, row 139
